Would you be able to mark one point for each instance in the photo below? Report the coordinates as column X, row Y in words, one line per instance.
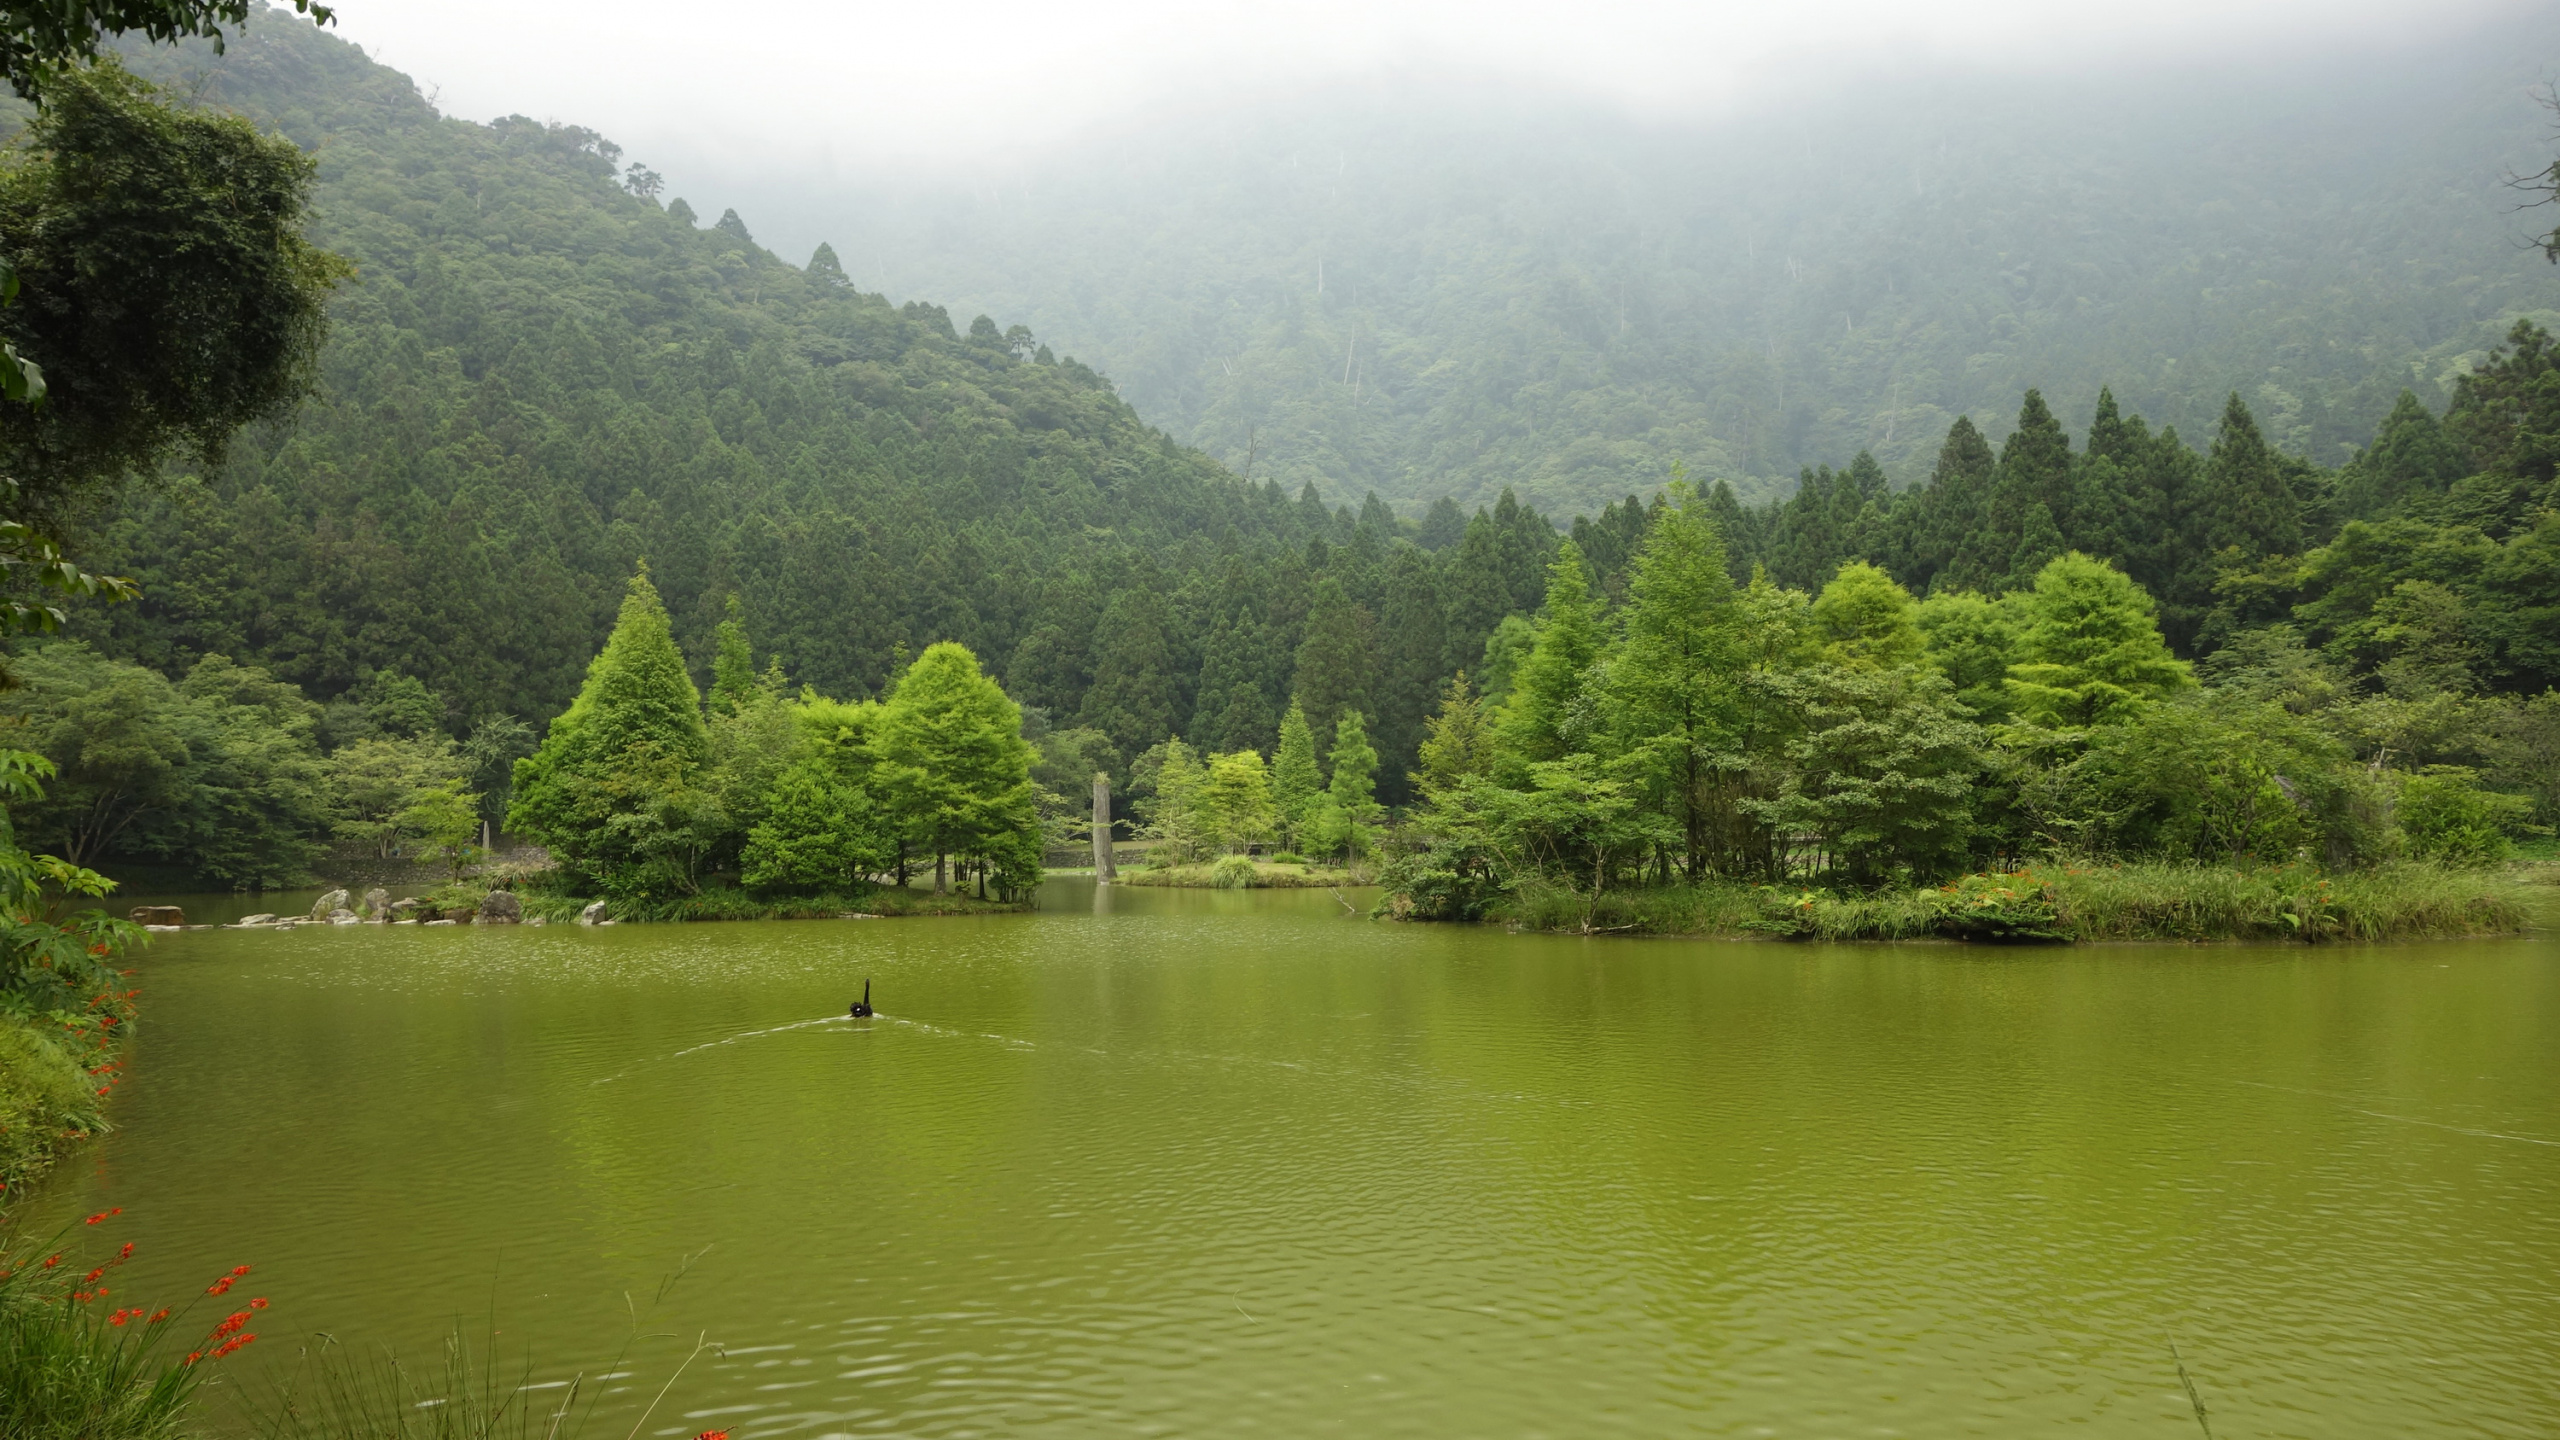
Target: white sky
column 870, row 85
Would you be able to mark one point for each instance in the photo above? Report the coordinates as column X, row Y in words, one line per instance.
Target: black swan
column 862, row 1007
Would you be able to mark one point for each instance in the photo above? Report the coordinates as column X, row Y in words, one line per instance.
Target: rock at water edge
column 376, row 906
column 593, row 914
column 323, row 907
column 159, row 915
column 500, row 907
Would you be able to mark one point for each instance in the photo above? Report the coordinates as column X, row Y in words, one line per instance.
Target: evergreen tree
column 583, row 793
column 2089, row 652
column 2411, row 457
column 1952, row 511
column 1132, row 696
column 1538, row 720
column 2247, row 503
column 1973, row 640
column 733, row 663
column 1672, row 675
column 957, row 768
column 1345, row 817
column 1295, row 780
column 825, row 270
column 1233, row 712
column 1459, row 743
column 1338, row 657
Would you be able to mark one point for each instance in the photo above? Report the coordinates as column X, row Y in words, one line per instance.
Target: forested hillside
column 1423, row 288
column 539, row 381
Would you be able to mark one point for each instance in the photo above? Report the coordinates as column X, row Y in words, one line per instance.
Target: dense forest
column 1422, row 287
column 541, row 379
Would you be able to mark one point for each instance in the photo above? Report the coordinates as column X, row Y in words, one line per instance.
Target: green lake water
column 1190, row 1163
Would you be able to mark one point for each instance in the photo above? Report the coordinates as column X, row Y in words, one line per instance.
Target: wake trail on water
column 727, row 1040
column 2355, row 1105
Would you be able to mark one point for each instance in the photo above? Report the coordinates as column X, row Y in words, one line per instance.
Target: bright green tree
column 1295, row 778
column 957, row 770
column 1234, row 800
column 1457, row 741
column 1866, row 620
column 733, row 662
column 634, row 730
column 1539, row 722
column 1673, row 675
column 1881, row 772
column 2090, row 651
column 822, row 824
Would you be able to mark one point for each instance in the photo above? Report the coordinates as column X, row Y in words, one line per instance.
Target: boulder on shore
column 326, row 905
column 500, row 907
column 245, row 921
column 159, row 915
column 593, row 914
column 344, row 916
column 376, row 904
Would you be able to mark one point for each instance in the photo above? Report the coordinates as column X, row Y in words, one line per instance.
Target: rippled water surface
column 1202, row 1163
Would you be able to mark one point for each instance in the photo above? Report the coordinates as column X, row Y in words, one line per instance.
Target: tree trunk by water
column 1104, row 872
column 941, row 873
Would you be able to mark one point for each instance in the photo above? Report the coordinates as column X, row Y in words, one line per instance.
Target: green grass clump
column 1238, row 872
column 46, row 1101
column 2145, row 901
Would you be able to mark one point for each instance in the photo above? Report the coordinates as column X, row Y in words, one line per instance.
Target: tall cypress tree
column 1534, row 722
column 2247, row 502
column 1295, row 780
column 1338, row 657
column 637, row 709
column 1951, row 507
column 733, row 663
column 1133, row 692
column 2411, row 456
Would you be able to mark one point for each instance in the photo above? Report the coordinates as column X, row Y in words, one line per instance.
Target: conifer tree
column 1132, row 695
column 957, row 768
column 2411, row 456
column 1295, row 780
column 733, row 664
column 1958, row 490
column 2090, row 651
column 1349, row 809
column 1234, row 801
column 1673, row 674
column 1337, row 658
column 635, row 728
column 824, row 269
column 1865, row 620
column 2247, row 503
column 1458, row 742
column 1535, row 720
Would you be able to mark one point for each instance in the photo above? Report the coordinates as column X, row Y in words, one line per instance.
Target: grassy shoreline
column 1226, row 874
column 718, row 903
column 2073, row 903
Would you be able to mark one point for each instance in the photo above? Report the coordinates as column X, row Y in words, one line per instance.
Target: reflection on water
column 1191, row 1162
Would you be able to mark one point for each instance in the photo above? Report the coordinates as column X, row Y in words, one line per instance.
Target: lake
column 1182, row 1163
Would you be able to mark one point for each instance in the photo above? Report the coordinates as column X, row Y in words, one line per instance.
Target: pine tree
column 733, row 665
column 1349, row 809
column 2090, row 652
column 1233, row 712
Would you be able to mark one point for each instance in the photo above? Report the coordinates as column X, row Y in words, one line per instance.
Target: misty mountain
column 1422, row 288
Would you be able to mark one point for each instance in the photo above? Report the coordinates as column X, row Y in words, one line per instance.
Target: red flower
column 103, row 1214
column 258, row 1304
column 157, row 1318
column 712, row 1435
